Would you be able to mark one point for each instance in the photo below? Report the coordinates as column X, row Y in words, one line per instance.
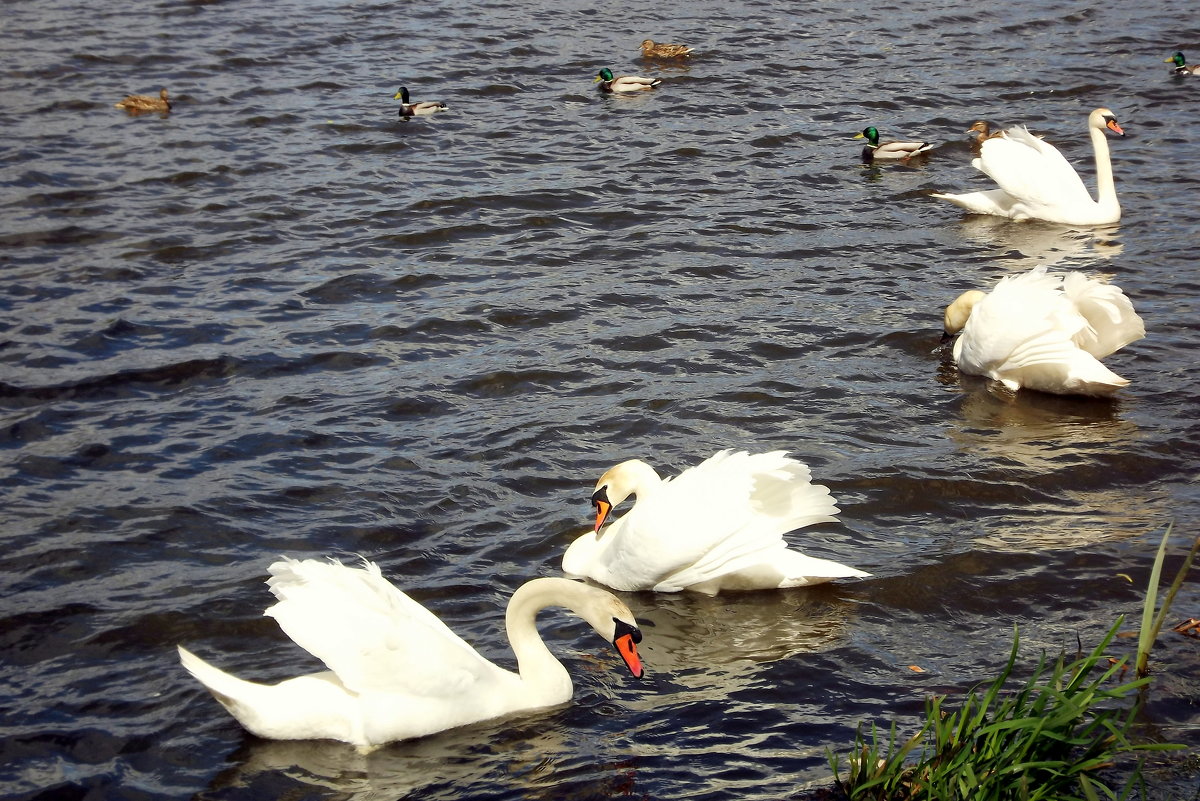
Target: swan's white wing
column 372, row 635
column 719, row 516
column 1112, row 322
column 1032, row 171
column 1021, row 308
column 1053, row 364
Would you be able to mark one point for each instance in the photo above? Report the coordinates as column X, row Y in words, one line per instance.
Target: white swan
column 1045, row 332
column 716, row 526
column 1037, row 182
column 395, row 670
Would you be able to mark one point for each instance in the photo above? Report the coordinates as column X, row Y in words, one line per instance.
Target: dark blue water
column 281, row 321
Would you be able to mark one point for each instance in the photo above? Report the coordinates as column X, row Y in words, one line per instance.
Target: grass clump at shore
column 1049, row 739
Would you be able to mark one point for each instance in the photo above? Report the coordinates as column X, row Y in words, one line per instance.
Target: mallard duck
column 1044, row 331
column 409, row 109
column 982, row 129
column 624, row 84
column 1037, row 182
column 138, row 104
column 889, row 150
column 1181, row 65
column 652, row 50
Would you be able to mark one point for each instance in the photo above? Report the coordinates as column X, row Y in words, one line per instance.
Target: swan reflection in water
column 1023, row 246
column 1055, row 451
column 715, row 645
column 530, row 754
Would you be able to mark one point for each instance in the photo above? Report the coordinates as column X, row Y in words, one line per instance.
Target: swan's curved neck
column 635, row 478
column 542, row 674
column 1106, row 188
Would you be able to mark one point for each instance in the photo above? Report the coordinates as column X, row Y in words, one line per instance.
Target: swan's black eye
column 624, row 628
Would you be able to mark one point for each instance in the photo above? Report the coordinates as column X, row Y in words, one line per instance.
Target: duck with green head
column 892, row 151
column 1181, row 65
column 410, row 109
column 624, row 84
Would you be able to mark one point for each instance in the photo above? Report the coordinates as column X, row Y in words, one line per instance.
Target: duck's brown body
column 140, row 104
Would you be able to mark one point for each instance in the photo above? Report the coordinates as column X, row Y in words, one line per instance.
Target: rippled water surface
column 281, row 321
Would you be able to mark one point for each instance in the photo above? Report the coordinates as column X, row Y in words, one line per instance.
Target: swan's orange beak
column 602, row 506
column 1112, row 126
column 626, row 644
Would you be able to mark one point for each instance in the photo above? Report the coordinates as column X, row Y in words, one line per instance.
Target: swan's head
column 604, row 75
column 1102, row 118
column 617, row 484
column 1178, row 60
column 957, row 312
column 871, row 134
column 612, row 620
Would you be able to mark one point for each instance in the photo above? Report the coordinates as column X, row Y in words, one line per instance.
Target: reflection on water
column 1064, row 444
column 711, row 646
column 1025, row 245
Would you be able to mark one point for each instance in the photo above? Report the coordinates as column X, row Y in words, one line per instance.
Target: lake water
column 281, row 321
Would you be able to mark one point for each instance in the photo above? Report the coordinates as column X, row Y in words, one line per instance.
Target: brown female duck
column 140, row 104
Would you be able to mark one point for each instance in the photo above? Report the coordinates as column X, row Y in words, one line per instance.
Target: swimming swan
column 1037, row 182
column 1044, row 332
column 395, row 670
column 718, row 525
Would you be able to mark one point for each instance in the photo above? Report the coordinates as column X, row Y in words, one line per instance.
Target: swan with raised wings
column 716, row 526
column 1044, row 331
column 395, row 671
column 1038, row 183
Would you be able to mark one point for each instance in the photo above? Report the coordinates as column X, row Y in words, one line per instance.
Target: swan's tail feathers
column 225, row 688
column 996, row 202
column 780, row 567
column 1112, row 322
column 801, row 571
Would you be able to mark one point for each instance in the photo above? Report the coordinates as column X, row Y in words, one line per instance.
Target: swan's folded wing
column 1055, row 364
column 372, row 635
column 1020, row 309
column 684, row 519
column 730, row 511
column 1032, row 170
column 1112, row 322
